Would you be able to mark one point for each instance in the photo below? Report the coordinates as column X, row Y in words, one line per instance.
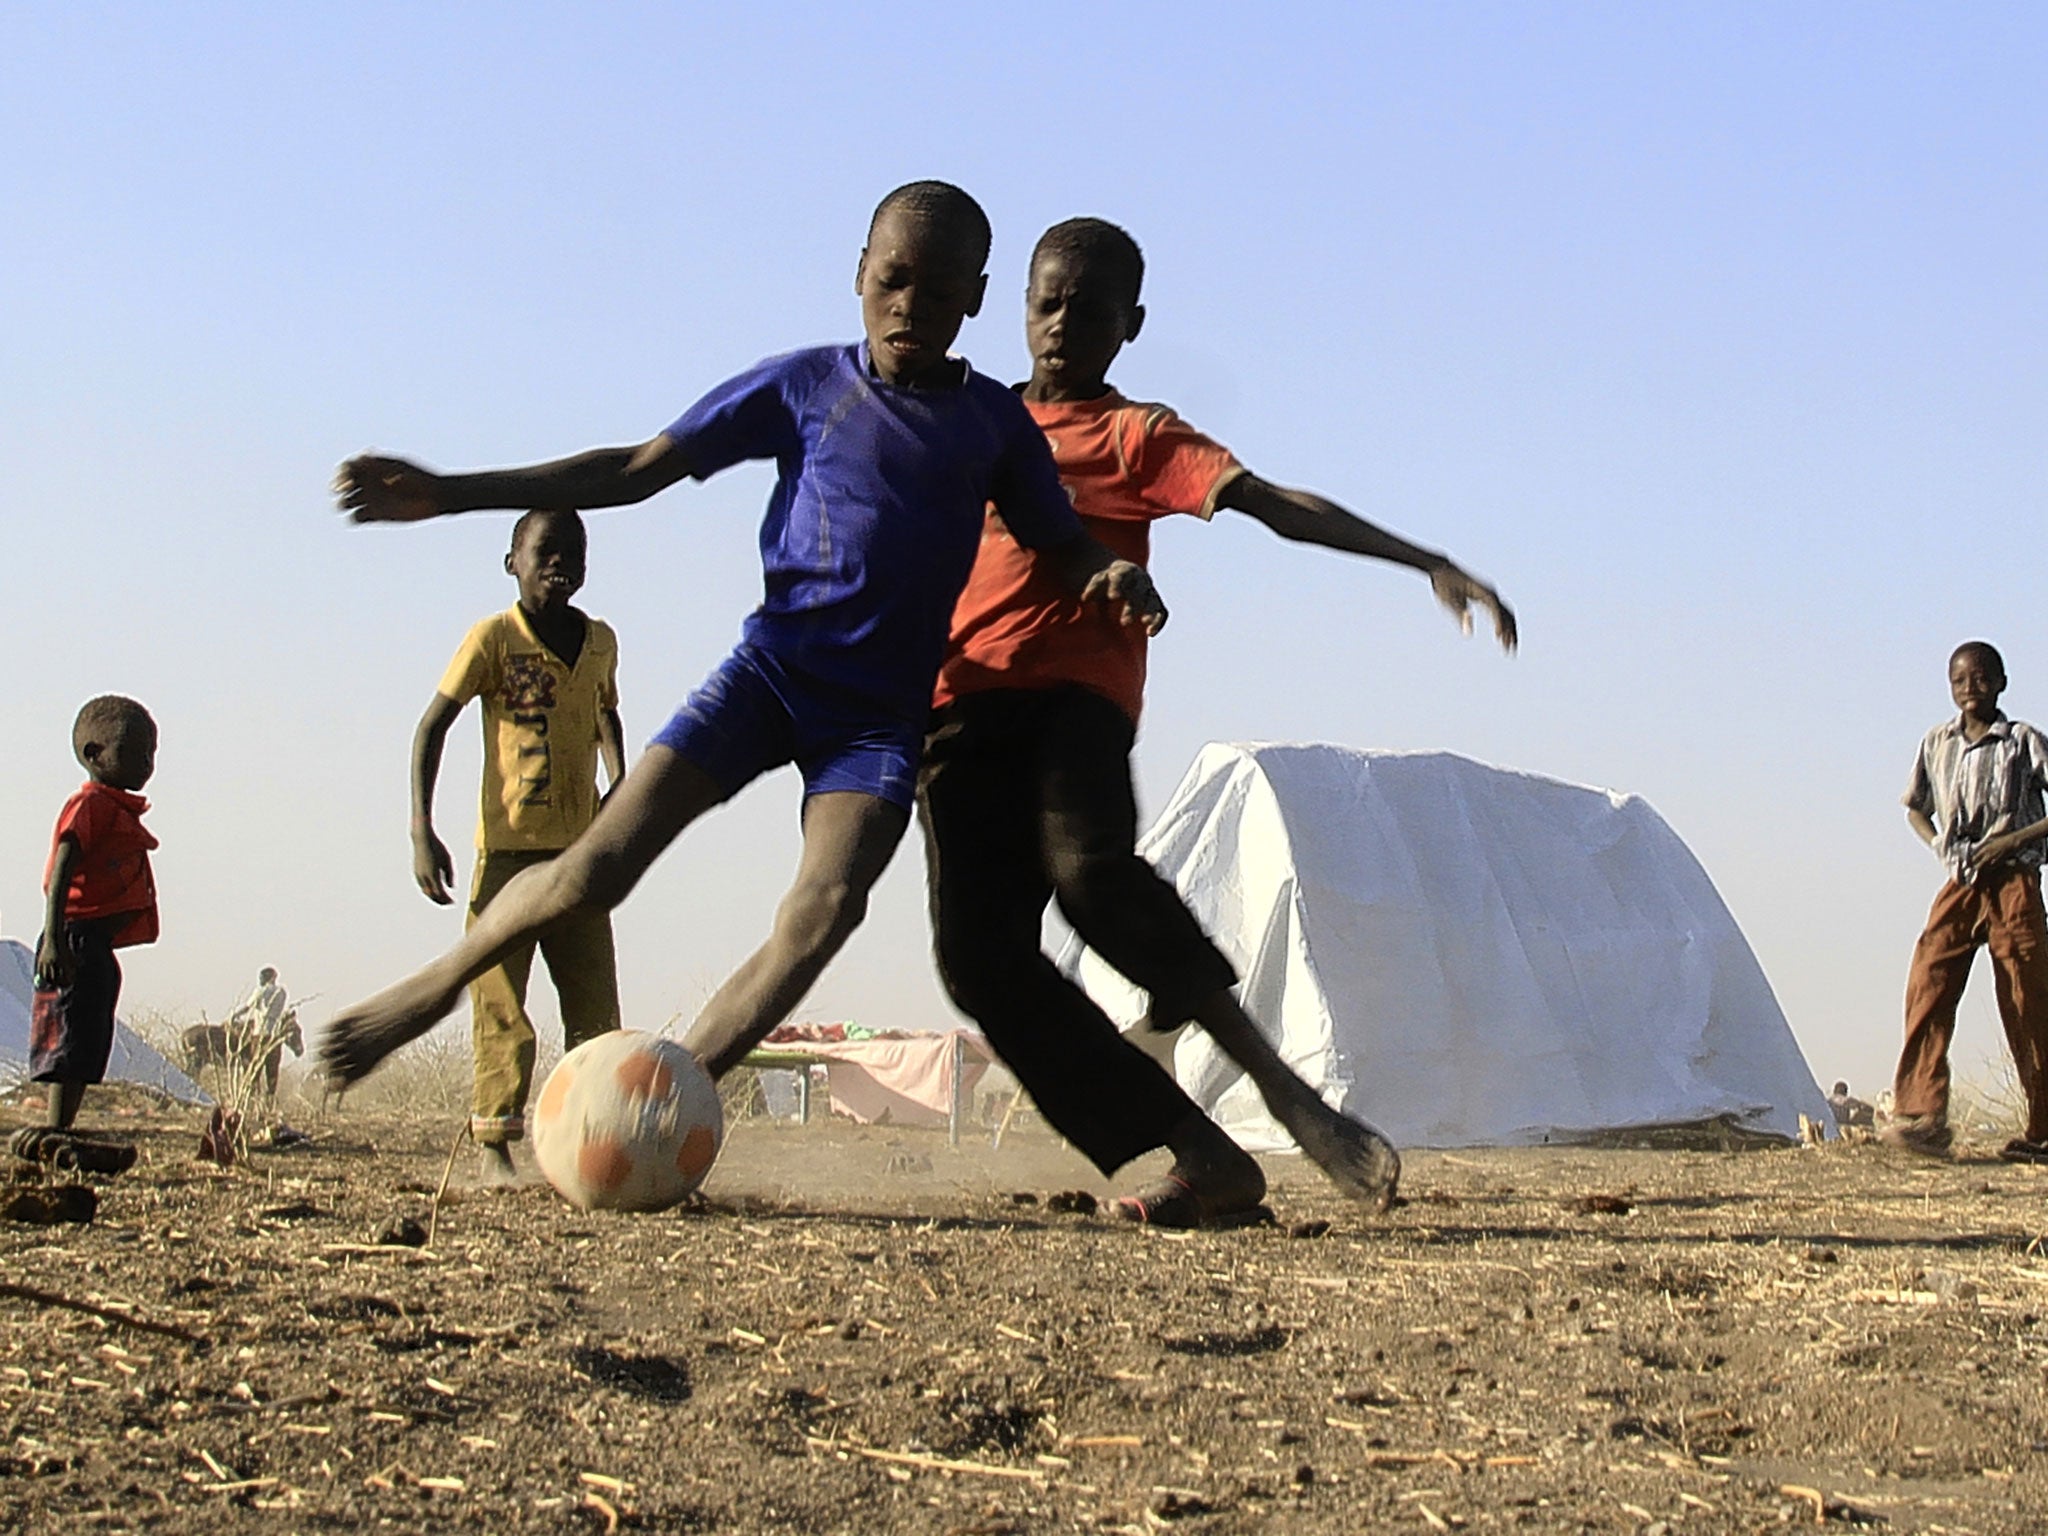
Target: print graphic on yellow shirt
column 540, row 728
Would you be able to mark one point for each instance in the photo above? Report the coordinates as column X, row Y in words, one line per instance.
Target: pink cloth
column 905, row 1078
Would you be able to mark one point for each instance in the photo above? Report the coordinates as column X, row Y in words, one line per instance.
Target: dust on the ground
column 867, row 1330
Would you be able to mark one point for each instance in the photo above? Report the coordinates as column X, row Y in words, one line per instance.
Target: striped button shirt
column 1972, row 790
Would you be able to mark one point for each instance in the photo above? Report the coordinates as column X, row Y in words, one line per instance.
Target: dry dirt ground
column 865, row 1330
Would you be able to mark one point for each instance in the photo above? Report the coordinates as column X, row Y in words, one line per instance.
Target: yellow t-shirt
column 540, row 728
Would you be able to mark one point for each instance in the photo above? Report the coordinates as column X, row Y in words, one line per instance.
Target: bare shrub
column 740, row 1095
column 427, row 1080
column 162, row 1031
column 1993, row 1103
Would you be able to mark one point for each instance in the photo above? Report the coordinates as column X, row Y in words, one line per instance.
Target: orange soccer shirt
column 1125, row 463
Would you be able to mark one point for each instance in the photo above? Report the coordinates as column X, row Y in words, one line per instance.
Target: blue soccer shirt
column 877, row 509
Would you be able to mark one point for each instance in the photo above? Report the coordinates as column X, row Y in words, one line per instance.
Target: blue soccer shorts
column 752, row 715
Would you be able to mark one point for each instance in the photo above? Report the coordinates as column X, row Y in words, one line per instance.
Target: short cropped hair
column 945, row 208
column 528, row 519
column 1983, row 648
column 1098, row 244
column 102, row 720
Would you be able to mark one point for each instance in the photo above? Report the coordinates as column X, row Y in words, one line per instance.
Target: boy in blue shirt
column 889, row 453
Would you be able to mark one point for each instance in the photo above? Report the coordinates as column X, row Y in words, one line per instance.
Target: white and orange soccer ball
column 627, row 1122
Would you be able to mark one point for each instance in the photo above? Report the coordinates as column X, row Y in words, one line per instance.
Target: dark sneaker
column 1920, row 1136
column 2021, row 1150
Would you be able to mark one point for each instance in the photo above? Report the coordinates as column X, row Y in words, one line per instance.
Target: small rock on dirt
column 401, row 1232
column 1604, row 1205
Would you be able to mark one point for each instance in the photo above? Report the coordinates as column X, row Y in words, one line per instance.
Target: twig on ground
column 240, row 1485
column 52, row 1299
column 927, row 1463
column 447, row 1168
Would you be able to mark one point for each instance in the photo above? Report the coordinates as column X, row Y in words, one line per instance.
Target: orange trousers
column 2003, row 914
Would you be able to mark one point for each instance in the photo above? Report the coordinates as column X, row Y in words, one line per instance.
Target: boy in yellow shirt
column 548, row 677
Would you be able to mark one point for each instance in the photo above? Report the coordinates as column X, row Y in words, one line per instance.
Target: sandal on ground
column 2021, row 1150
column 1175, row 1203
column 63, row 1149
column 37, row 1143
column 91, row 1155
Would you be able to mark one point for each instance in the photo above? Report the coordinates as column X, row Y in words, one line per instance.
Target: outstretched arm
column 1311, row 519
column 1088, row 569
column 433, row 870
column 375, row 489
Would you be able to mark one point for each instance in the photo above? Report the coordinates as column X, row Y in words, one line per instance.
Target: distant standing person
column 100, row 896
column 548, row 676
column 263, row 1010
column 261, row 1029
column 1979, row 799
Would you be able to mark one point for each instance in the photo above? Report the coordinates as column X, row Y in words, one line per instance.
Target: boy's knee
column 585, row 880
column 818, row 914
column 1087, row 878
column 986, row 980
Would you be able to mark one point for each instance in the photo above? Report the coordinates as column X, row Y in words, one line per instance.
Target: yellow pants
column 585, row 971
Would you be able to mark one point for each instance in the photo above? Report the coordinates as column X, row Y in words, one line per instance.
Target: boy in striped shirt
column 1979, row 799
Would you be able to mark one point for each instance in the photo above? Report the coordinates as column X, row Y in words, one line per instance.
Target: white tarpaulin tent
column 1464, row 955
column 133, row 1060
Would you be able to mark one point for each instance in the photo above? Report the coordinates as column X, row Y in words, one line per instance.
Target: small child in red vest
column 100, row 897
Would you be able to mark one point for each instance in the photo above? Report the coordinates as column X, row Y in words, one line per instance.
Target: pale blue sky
column 1712, row 333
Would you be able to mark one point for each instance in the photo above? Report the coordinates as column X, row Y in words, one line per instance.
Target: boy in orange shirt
column 100, row 896
column 1026, row 788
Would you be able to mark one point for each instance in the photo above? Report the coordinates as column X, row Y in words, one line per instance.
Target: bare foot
column 495, row 1168
column 1357, row 1158
column 359, row 1038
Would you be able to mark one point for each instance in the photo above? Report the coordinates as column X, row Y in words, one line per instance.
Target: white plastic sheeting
column 134, row 1059
column 1464, row 955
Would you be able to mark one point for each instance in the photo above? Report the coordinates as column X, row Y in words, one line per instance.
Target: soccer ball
column 627, row 1122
